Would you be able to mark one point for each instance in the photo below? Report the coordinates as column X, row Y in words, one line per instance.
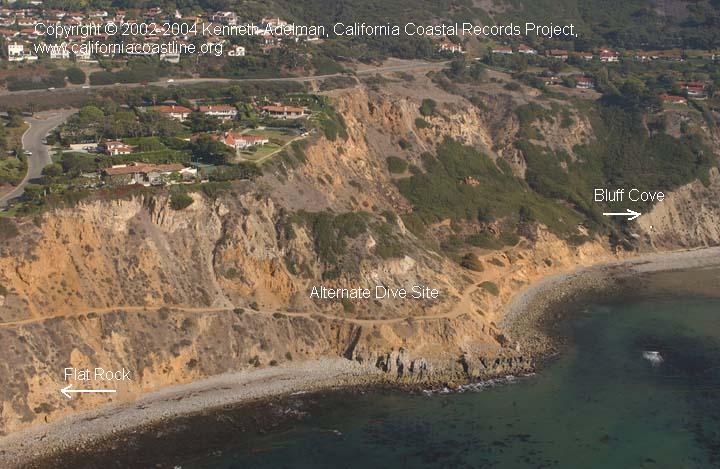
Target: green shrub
column 180, row 200
column 483, row 240
column 396, row 165
column 75, row 75
column 490, row 288
column 471, row 262
column 421, row 123
column 8, row 229
column 428, row 107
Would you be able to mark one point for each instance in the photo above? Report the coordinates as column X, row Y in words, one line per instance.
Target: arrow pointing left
column 68, row 389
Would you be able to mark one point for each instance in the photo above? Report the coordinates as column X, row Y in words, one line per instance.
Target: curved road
column 32, row 141
column 397, row 67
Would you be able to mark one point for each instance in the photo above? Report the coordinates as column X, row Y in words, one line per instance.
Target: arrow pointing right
column 630, row 213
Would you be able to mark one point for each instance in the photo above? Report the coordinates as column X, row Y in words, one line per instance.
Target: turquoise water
column 600, row 404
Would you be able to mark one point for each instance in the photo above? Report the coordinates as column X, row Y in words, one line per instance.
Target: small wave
column 476, row 387
column 653, row 357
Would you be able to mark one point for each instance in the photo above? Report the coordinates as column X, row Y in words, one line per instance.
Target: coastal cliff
column 223, row 285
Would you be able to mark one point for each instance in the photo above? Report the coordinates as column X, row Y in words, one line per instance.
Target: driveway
column 32, row 140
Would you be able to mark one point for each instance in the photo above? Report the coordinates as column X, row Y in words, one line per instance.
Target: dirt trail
column 463, row 306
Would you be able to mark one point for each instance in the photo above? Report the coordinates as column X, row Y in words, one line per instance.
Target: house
column 523, row 49
column 114, row 147
column 587, row 56
column 643, row 56
column 17, row 53
column 283, row 112
column 171, row 58
column 173, row 111
column 673, row 99
column 237, row 51
column 221, row 111
column 148, row 174
column 224, row 17
column 82, row 54
column 696, row 92
column 584, row 83
column 272, row 24
column 560, row 54
column 608, row 56
column 505, row 50
column 448, row 46
column 241, row 142
column 694, row 89
column 671, row 55
column 59, row 53
column 551, row 80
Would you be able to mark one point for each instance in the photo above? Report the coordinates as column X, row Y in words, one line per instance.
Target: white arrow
column 68, row 389
column 631, row 213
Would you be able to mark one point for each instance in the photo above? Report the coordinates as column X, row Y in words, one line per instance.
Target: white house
column 59, row 53
column 523, row 49
column 240, row 142
column 17, row 53
column 448, row 46
column 224, row 17
column 237, row 51
column 221, row 111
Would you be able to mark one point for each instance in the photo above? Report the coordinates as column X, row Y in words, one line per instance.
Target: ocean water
column 637, row 387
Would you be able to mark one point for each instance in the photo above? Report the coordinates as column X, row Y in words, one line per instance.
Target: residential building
column 551, row 80
column 584, row 83
column 608, row 56
column 115, row 147
column 673, row 99
column 505, row 50
column 221, row 111
column 173, row 111
column 283, row 112
column 18, row 53
column 523, row 49
column 59, row 53
column 236, row 51
column 148, row 174
column 560, row 54
column 241, row 142
column 224, row 17
column 449, row 46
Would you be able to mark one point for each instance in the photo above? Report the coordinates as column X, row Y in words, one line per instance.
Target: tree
column 457, row 66
column 211, row 151
column 14, row 117
column 52, row 170
column 75, row 75
column 200, row 122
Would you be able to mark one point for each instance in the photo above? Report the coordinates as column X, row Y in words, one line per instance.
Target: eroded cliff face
column 689, row 217
column 224, row 285
column 135, row 284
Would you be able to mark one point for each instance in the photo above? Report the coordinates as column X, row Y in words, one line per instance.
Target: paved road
column 402, row 67
column 32, row 141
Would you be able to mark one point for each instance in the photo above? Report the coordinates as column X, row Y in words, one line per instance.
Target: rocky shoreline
column 531, row 316
column 526, row 322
